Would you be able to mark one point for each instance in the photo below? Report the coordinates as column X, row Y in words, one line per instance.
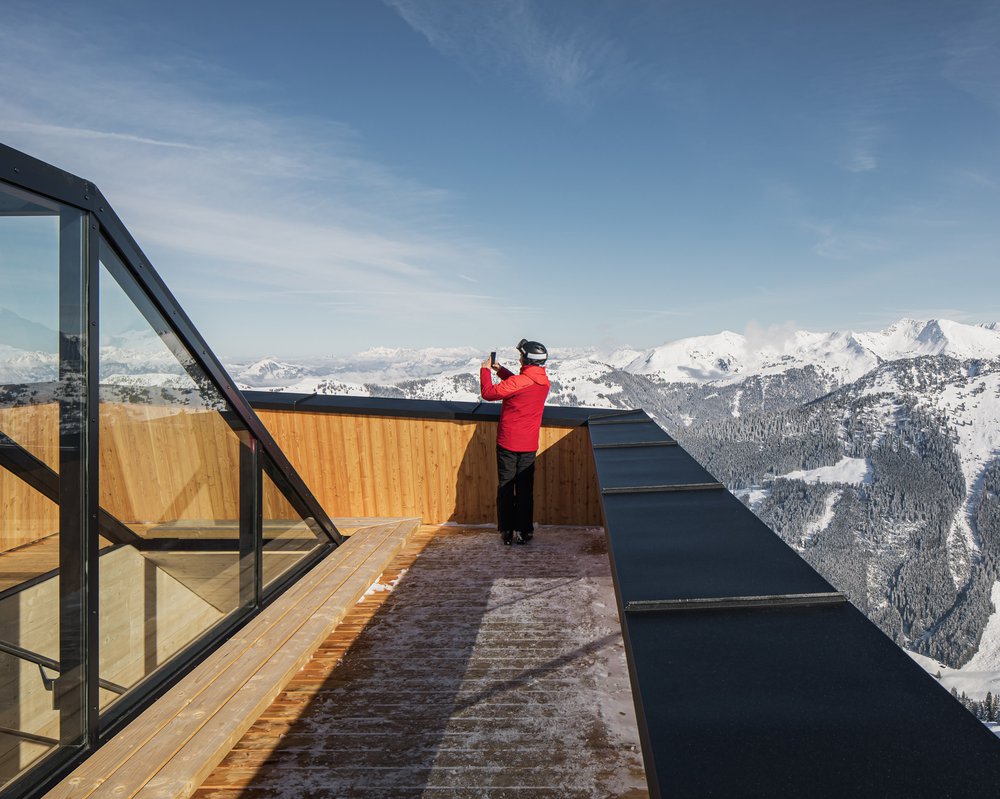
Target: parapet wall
column 438, row 469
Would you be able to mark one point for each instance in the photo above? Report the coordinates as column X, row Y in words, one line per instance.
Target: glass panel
column 170, row 476
column 32, row 719
column 290, row 532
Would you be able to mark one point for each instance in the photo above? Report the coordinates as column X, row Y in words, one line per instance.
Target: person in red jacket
column 523, row 401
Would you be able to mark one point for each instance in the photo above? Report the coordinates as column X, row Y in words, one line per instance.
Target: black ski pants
column 515, row 491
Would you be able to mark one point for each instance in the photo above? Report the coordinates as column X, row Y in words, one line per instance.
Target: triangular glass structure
column 145, row 511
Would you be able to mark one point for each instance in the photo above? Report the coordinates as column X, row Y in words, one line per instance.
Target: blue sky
column 320, row 178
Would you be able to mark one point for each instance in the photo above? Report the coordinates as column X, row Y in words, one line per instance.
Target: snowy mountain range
column 876, row 455
column 723, row 359
column 842, row 357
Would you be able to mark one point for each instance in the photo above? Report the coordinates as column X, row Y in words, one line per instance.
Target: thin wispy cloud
column 869, row 93
column 40, row 129
column 973, row 56
column 240, row 202
column 862, row 145
column 570, row 64
column 839, row 243
column 660, row 312
column 977, row 177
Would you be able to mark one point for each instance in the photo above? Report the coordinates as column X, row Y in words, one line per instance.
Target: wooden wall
column 440, row 470
column 26, row 515
column 158, row 464
column 161, row 465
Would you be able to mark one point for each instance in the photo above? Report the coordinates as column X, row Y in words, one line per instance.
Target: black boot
column 508, row 537
column 523, row 538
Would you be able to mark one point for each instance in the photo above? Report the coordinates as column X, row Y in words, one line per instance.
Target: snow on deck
column 476, row 670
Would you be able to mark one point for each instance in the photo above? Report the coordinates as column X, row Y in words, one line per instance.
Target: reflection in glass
column 31, row 251
column 170, row 474
column 183, row 489
column 290, row 532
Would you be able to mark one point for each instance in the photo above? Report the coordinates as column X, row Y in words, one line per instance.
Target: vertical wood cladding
column 440, row 470
column 158, row 466
column 25, row 514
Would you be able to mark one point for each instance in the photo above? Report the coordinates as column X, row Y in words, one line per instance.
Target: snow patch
column 974, row 684
column 987, row 658
column 819, row 524
column 379, row 587
column 853, row 471
column 754, row 496
column 971, row 405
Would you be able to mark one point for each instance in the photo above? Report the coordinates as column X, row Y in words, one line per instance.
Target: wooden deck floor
column 486, row 671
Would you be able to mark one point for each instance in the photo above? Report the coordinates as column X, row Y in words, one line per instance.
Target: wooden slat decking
column 170, row 748
column 487, row 671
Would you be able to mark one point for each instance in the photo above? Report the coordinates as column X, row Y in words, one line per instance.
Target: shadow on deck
column 486, row 671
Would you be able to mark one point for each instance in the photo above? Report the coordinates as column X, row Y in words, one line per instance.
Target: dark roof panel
column 626, row 433
column 698, row 545
column 648, row 466
column 805, row 702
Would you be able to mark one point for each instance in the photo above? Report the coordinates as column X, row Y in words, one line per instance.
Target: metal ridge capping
column 752, row 676
column 731, row 602
column 555, row 415
column 636, row 444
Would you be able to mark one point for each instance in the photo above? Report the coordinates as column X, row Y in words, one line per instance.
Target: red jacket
column 523, row 398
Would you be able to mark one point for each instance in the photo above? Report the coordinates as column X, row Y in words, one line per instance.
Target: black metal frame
column 88, row 221
column 36, row 473
column 38, row 177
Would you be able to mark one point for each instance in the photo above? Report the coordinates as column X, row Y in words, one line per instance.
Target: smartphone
column 493, row 359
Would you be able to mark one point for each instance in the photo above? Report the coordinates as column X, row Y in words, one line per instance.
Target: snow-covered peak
column 696, row 359
column 729, row 357
column 27, row 366
column 269, row 372
column 843, row 356
column 910, row 338
column 620, row 357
